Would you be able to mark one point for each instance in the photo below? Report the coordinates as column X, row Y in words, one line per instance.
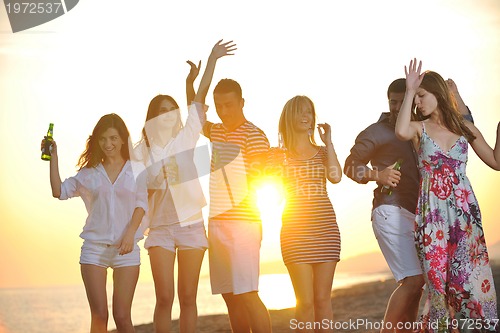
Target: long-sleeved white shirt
column 186, row 195
column 109, row 205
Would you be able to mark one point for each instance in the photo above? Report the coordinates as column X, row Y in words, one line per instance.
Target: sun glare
column 269, row 196
column 276, row 291
column 270, row 201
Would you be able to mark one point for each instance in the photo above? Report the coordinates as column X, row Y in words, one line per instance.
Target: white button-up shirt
column 109, row 205
column 187, row 195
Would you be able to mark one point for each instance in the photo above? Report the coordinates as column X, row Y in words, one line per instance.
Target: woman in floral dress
column 449, row 233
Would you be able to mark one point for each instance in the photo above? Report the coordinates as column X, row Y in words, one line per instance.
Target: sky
column 114, row 56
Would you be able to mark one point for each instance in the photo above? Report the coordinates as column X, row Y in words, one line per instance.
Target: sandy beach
column 358, row 309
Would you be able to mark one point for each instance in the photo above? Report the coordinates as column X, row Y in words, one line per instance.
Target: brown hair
column 93, row 155
column 154, row 111
column 226, row 86
column 452, row 118
column 397, row 86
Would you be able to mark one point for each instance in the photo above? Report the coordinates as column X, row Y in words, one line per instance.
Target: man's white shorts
column 393, row 227
column 234, row 254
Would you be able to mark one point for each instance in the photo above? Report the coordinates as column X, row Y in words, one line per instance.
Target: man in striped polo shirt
column 234, row 229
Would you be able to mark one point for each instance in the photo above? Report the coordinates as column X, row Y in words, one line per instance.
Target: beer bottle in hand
column 48, row 143
column 388, row 189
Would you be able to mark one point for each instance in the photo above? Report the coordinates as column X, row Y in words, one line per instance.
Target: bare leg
column 258, row 316
column 162, row 268
column 403, row 304
column 247, row 313
column 189, row 264
column 303, row 282
column 124, row 283
column 238, row 316
column 94, row 279
column 323, row 279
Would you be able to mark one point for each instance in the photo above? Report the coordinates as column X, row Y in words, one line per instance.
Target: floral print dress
column 451, row 245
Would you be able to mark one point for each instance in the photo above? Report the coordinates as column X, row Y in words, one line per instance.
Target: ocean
column 65, row 309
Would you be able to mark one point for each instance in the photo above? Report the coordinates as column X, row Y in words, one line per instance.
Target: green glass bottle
column 173, row 171
column 388, row 189
column 48, row 143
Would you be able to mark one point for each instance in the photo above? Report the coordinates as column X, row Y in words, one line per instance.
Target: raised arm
column 462, row 108
column 193, row 74
column 488, row 155
column 405, row 128
column 218, row 51
column 55, row 178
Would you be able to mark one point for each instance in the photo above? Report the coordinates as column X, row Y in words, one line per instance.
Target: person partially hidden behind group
column 394, row 202
column 449, row 233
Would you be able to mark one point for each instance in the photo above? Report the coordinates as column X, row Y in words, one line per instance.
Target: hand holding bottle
column 390, row 177
column 171, row 171
column 47, row 143
column 50, row 146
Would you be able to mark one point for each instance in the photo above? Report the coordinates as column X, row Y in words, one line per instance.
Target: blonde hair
column 290, row 112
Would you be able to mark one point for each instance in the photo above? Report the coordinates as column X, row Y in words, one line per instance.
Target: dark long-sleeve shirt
column 379, row 146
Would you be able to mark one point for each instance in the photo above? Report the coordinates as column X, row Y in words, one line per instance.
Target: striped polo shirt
column 232, row 197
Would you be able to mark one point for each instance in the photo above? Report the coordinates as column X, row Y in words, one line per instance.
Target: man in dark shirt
column 394, row 206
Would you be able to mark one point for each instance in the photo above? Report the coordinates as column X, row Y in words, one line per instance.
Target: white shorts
column 106, row 256
column 394, row 229
column 174, row 236
column 234, row 254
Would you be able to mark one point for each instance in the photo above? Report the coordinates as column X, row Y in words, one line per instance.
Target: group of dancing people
column 428, row 223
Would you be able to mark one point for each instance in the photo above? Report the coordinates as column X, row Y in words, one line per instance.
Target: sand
column 359, row 309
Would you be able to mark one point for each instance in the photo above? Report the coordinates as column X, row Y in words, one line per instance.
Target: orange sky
column 104, row 57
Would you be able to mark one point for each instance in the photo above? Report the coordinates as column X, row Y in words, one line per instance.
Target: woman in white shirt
column 116, row 201
column 176, row 199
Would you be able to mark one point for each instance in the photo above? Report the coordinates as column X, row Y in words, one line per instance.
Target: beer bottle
column 387, row 188
column 173, row 171
column 47, row 147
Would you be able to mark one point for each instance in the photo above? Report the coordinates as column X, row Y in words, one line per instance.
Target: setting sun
column 271, row 202
column 92, row 61
column 270, row 195
column 276, row 291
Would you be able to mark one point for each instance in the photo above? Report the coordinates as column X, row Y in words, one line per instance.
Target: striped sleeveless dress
column 309, row 232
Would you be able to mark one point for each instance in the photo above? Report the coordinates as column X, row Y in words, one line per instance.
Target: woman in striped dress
column 310, row 238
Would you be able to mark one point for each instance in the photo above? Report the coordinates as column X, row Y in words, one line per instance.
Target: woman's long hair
column 153, row 112
column 93, row 154
column 452, row 118
column 290, row 112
